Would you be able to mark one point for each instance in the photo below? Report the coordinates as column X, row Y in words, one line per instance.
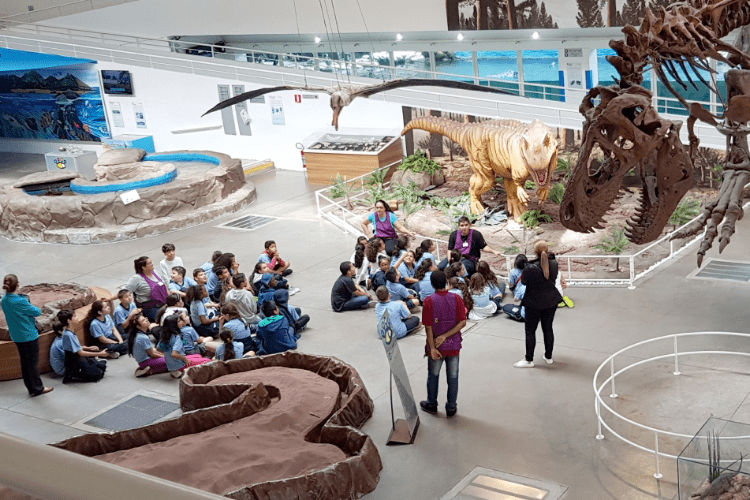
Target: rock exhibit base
column 280, row 426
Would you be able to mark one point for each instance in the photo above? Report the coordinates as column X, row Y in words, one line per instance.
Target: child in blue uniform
column 125, row 312
column 402, row 321
column 101, row 327
column 229, row 348
column 399, row 291
column 170, row 343
column 68, row 358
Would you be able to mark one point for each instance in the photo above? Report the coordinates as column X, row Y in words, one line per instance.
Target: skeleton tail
column 455, row 131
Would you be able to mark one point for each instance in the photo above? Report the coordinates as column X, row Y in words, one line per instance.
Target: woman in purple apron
column 469, row 242
column 385, row 224
column 149, row 289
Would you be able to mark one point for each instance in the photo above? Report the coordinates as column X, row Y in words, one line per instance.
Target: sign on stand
column 402, row 431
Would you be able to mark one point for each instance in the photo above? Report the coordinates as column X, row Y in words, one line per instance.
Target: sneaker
column 568, row 301
column 293, row 290
column 524, row 364
column 426, row 406
column 142, row 372
column 286, row 273
column 451, row 413
column 561, row 304
column 176, row 374
column 114, row 355
column 549, row 361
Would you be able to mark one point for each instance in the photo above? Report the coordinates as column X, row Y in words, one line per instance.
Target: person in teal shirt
column 20, row 314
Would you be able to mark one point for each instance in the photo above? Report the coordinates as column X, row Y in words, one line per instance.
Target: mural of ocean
column 67, row 116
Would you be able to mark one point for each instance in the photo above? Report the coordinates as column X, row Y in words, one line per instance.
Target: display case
column 82, row 162
column 715, row 450
column 350, row 153
column 145, row 142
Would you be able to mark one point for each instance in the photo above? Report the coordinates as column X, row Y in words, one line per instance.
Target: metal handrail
column 675, row 354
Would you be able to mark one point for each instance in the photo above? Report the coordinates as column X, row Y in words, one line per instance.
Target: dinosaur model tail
column 453, row 130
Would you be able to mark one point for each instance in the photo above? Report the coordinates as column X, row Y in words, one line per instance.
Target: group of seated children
column 518, row 312
column 255, row 317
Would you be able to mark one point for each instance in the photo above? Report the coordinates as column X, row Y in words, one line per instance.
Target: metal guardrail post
column 656, row 455
column 599, row 434
column 632, row 273
column 612, row 366
column 676, row 359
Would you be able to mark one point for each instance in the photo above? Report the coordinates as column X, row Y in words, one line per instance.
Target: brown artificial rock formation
column 510, row 149
column 271, row 427
column 632, row 135
column 192, row 198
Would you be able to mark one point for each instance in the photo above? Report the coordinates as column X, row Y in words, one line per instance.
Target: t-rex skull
column 631, row 135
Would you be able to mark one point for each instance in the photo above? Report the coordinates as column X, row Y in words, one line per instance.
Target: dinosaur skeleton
column 343, row 95
column 631, row 134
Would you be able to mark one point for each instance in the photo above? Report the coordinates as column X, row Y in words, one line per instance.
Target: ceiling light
column 317, row 39
column 461, row 37
column 535, row 35
column 399, row 37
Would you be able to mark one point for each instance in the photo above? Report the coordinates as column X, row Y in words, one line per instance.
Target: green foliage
column 443, row 232
column 617, row 243
column 339, row 189
column 685, row 211
column 418, row 162
column 409, row 208
column 374, row 193
column 532, row 218
column 529, row 185
column 716, row 175
column 511, row 250
column 410, row 193
column 556, row 193
column 377, row 178
column 563, row 164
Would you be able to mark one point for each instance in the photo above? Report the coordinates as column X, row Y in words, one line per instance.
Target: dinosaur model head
column 631, row 135
column 540, row 151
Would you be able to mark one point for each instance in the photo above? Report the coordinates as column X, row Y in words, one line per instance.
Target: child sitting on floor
column 273, row 331
column 424, row 251
column 170, row 343
column 205, row 326
column 179, row 283
column 100, row 326
column 229, row 348
column 497, row 289
column 230, row 317
column 191, row 341
column 208, row 265
column 242, row 297
column 170, row 260
column 402, row 321
column 484, row 306
column 459, row 288
column 174, row 305
column 399, row 291
column 378, row 279
column 125, row 311
column 150, row 360
column 275, row 263
column 69, row 359
column 423, row 273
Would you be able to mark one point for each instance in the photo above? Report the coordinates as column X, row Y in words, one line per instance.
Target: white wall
column 174, row 101
column 158, row 18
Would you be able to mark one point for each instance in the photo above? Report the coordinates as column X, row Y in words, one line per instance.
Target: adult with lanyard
column 149, row 289
column 470, row 243
column 385, row 224
column 20, row 314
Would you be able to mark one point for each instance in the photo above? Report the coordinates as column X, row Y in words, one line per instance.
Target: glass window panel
column 500, row 69
column 542, row 66
column 455, row 63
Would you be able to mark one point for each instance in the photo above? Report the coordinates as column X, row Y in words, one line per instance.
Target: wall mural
column 61, row 103
column 468, row 15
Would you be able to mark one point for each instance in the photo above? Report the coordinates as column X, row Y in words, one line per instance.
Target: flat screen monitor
column 117, row 82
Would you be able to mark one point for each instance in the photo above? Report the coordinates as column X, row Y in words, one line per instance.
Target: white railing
column 673, row 355
column 329, row 209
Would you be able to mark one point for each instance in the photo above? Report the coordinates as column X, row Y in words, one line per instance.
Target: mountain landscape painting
column 62, row 103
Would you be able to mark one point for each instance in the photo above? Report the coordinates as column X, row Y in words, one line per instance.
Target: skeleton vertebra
column 507, row 148
column 632, row 135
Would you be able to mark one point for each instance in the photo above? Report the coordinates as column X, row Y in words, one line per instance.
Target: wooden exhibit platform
column 324, row 166
column 10, row 363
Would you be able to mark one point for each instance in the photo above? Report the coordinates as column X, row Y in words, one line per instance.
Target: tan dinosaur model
column 510, row 149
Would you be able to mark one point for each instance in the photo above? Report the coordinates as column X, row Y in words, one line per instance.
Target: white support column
column 475, row 60
column 519, row 56
column 432, row 64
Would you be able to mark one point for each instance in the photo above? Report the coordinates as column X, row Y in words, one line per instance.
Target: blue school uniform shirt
column 186, row 283
column 239, row 328
column 482, row 299
column 141, row 346
column 213, row 282
column 175, row 344
column 405, row 271
column 189, row 337
column 494, row 290
column 121, row 314
column 398, row 313
column 514, row 275
column 207, row 266
column 99, row 328
column 264, row 257
column 398, row 291
column 57, row 356
column 425, row 286
column 238, row 350
column 395, row 258
column 197, row 309
column 378, row 279
column 425, row 256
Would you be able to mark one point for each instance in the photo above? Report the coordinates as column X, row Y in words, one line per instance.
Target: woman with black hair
column 385, row 224
column 362, row 276
column 149, row 289
column 540, row 300
column 170, row 343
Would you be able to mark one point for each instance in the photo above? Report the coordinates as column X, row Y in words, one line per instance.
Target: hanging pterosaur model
column 342, row 95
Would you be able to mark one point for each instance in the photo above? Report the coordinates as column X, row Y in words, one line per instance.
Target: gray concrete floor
column 539, row 423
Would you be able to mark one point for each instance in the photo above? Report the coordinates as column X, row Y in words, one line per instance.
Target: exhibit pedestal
column 324, row 165
column 83, row 162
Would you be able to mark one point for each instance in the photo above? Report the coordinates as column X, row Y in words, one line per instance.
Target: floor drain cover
column 248, row 222
column 488, row 484
column 724, row 270
column 135, row 412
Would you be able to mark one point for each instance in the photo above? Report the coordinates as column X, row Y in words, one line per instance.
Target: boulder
column 45, row 177
column 423, row 179
column 120, row 156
